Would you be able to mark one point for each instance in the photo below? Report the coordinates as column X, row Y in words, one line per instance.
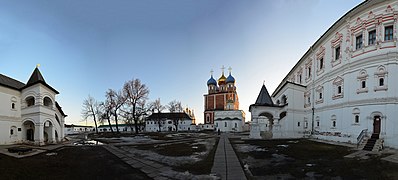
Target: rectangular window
column 320, row 95
column 372, row 37
column 298, row 124
column 299, row 78
column 388, row 33
column 339, row 90
column 381, row 82
column 334, row 124
column 363, row 84
column 337, row 53
column 309, row 71
column 321, row 63
column 358, row 44
column 317, row 123
column 356, row 119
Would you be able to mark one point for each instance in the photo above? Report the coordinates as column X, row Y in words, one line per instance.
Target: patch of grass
column 298, row 157
column 201, row 167
column 179, row 149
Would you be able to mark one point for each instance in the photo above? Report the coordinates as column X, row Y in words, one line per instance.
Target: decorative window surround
column 356, row 118
column 362, row 77
column 320, row 60
column 300, row 76
column 334, row 122
column 318, row 122
column 338, row 85
column 308, row 69
column 381, row 73
column 372, row 38
column 320, row 95
column 307, row 99
column 336, row 49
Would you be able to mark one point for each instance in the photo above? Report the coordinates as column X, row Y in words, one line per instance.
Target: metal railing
column 361, row 136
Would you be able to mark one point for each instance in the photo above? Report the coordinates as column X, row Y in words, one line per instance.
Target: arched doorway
column 376, row 124
column 48, row 132
column 269, row 118
column 29, row 130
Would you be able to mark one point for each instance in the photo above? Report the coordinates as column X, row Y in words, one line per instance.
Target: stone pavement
column 226, row 164
column 152, row 169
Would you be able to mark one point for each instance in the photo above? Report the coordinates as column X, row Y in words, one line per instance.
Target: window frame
column 359, row 41
column 372, row 38
column 390, row 34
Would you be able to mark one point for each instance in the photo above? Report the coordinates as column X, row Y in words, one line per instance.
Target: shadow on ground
column 308, row 159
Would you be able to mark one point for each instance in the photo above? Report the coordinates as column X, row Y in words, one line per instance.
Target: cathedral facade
column 29, row 112
column 222, row 105
column 344, row 88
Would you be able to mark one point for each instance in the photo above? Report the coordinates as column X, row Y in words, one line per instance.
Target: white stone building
column 180, row 121
column 76, row 129
column 345, row 85
column 121, row 127
column 29, row 112
column 229, row 120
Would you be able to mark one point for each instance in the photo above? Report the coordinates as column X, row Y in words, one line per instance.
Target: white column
column 39, row 134
column 52, row 139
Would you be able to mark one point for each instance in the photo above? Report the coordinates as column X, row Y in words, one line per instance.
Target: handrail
column 361, row 136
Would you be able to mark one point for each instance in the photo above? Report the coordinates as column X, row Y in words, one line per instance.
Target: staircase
column 374, row 143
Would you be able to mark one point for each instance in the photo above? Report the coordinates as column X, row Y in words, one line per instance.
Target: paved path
column 226, row 164
column 152, row 169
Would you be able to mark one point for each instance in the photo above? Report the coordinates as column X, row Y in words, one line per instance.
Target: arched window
column 12, row 105
column 47, row 102
column 30, row 101
column 381, row 82
column 236, row 125
column 225, row 124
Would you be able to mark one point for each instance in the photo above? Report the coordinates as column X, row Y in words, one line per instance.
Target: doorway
column 376, row 124
column 30, row 135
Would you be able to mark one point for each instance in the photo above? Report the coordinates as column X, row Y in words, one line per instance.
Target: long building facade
column 344, row 87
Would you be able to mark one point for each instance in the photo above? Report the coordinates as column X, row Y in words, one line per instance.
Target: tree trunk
column 117, row 125
column 135, row 120
column 96, row 127
column 110, row 125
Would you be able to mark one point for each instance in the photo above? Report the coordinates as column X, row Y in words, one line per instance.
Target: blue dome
column 212, row 81
column 230, row 79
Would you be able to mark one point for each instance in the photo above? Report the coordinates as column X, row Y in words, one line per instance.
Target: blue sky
column 86, row 47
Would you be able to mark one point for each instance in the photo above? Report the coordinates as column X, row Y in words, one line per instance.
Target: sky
column 87, row 47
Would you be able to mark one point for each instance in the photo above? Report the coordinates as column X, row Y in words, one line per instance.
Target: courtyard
column 191, row 156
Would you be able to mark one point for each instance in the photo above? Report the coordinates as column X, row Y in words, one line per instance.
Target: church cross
column 211, row 72
column 222, row 68
column 229, row 69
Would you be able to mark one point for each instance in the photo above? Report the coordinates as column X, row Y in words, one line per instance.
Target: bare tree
column 91, row 108
column 115, row 100
column 158, row 108
column 174, row 106
column 106, row 109
column 136, row 95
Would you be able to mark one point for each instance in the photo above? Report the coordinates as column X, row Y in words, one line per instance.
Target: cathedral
column 222, row 105
column 29, row 112
column 344, row 88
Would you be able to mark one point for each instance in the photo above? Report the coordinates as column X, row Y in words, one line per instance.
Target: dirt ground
column 291, row 159
column 80, row 162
